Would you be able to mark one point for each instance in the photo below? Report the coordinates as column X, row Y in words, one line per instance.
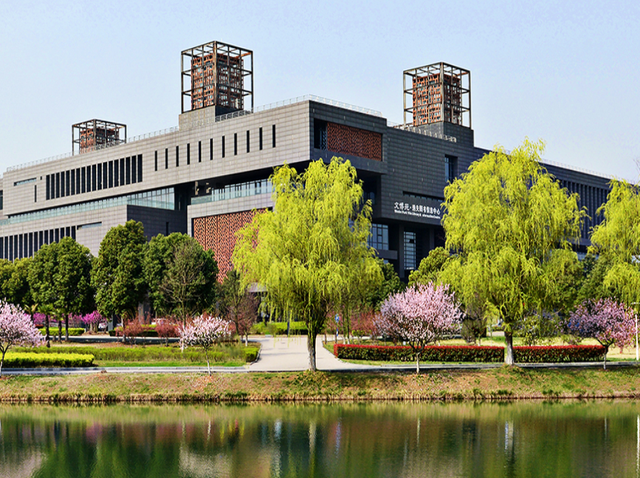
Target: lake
column 571, row 439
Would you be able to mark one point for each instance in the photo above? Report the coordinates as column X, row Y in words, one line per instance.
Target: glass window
column 409, row 251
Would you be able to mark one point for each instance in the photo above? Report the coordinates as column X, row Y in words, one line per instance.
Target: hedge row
column 468, row 353
column 53, row 332
column 434, row 353
column 559, row 353
column 279, row 328
column 251, row 354
column 30, row 360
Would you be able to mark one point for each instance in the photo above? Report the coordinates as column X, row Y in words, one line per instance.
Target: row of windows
column 27, row 244
column 96, row 177
column 223, row 148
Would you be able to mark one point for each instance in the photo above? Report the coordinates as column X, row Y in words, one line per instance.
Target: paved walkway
column 289, row 354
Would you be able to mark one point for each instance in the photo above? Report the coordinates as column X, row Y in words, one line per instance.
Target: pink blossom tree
column 16, row 328
column 419, row 316
column 607, row 321
column 205, row 332
column 92, row 320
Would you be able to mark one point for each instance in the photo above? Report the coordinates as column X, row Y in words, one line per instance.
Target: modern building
column 207, row 176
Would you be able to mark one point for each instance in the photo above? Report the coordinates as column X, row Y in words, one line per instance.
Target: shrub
column 559, row 353
column 73, row 331
column 136, row 329
column 279, row 328
column 30, row 360
column 251, row 354
column 432, row 353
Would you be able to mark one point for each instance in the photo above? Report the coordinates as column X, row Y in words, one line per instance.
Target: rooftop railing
column 235, row 114
column 414, row 129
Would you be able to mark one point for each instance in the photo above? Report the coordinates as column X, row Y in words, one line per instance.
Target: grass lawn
column 123, row 355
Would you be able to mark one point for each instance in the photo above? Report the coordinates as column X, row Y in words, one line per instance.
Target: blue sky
column 566, row 72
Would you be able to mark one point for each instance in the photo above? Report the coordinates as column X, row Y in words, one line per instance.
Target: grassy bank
column 496, row 384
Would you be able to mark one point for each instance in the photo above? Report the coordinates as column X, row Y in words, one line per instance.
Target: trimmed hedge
column 559, row 353
column 53, row 331
column 30, row 360
column 432, row 353
column 251, row 354
column 279, row 328
column 146, row 330
column 471, row 353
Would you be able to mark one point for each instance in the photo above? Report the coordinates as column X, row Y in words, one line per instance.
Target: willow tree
column 310, row 251
column 508, row 221
column 617, row 239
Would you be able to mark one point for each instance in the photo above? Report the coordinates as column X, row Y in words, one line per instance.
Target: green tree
column 181, row 276
column 617, row 238
column 117, row 272
column 391, row 284
column 505, row 219
column 189, row 283
column 60, row 279
column 307, row 251
column 15, row 287
column 430, row 267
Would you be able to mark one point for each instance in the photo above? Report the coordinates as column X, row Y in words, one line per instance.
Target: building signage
column 417, row 210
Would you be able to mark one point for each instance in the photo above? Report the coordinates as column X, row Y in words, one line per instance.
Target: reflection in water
column 373, row 440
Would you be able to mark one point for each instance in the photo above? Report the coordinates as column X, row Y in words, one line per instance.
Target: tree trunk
column 46, row 324
column 604, row 364
column 508, row 356
column 59, row 330
column 206, row 354
column 417, row 364
column 66, row 327
column 311, row 345
column 4, row 351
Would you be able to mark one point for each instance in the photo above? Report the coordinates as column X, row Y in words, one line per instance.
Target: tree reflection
column 377, row 439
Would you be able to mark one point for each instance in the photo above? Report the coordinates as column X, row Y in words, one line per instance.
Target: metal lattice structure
column 96, row 134
column 437, row 93
column 216, row 74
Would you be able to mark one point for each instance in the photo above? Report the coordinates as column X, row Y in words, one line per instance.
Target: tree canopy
column 309, row 251
column 507, row 220
column 617, row 238
column 117, row 272
column 60, row 279
column 181, row 276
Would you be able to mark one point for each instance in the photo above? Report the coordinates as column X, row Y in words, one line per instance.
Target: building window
column 67, row 179
column 166, row 158
column 139, row 168
column 235, row 144
column 155, row 165
column 379, row 238
column 177, row 156
column 110, row 174
column 199, row 151
column 248, row 141
column 450, row 168
column 260, row 139
column 134, row 170
column 210, row 149
column 128, row 170
column 273, row 136
column 73, row 182
column 83, row 179
column 223, row 147
column 188, row 154
column 77, row 180
column 409, row 251
column 35, row 195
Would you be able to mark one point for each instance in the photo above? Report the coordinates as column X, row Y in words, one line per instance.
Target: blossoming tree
column 419, row 316
column 204, row 332
column 16, row 328
column 605, row 320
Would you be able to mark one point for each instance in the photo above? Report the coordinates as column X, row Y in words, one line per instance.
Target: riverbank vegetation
column 503, row 383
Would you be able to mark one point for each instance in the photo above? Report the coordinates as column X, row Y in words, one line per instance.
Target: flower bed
column 469, row 353
column 30, row 360
column 433, row 353
column 559, row 353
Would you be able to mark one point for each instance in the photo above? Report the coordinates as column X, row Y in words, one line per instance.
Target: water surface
column 569, row 439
